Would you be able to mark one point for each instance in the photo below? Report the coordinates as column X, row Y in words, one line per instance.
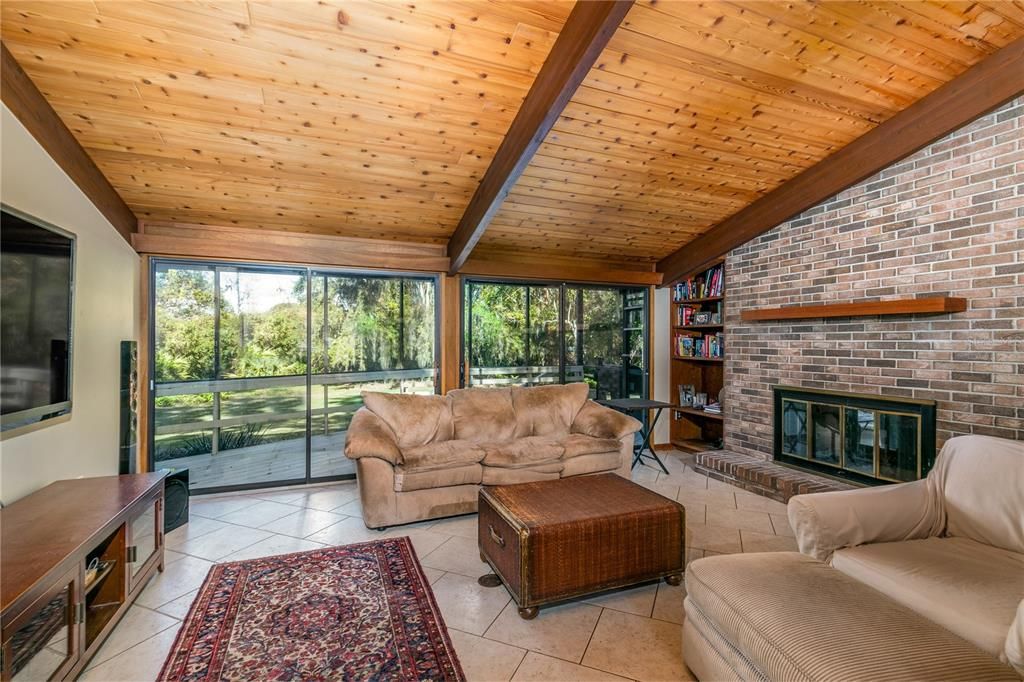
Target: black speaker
column 128, row 433
column 175, row 499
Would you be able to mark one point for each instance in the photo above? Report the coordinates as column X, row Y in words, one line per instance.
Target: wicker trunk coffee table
column 555, row 540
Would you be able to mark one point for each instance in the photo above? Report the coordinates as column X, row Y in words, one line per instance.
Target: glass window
column 256, row 382
column 543, row 343
column 497, row 329
column 262, row 323
column 529, row 334
column 184, row 323
column 369, row 334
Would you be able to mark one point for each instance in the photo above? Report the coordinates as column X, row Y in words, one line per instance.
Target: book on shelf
column 706, row 346
column 708, row 284
column 713, row 408
column 692, row 315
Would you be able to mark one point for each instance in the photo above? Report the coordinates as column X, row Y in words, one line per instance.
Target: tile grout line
column 95, row 664
column 590, row 639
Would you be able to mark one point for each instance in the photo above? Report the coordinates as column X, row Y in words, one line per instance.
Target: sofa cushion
column 423, row 479
column 1014, row 648
column 483, row 414
column 547, row 410
column 415, row 419
column 969, row 588
column 369, row 436
column 795, row 618
column 982, row 496
column 522, row 452
column 603, row 422
column 443, row 454
column 591, row 464
column 579, row 444
column 536, row 472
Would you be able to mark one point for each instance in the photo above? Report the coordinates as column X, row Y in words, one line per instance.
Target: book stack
column 705, row 285
column 699, row 314
column 713, row 408
column 707, row 346
column 684, row 315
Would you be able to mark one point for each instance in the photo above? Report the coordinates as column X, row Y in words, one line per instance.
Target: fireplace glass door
column 876, row 443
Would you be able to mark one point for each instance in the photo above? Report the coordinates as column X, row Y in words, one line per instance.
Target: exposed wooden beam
column 585, row 271
column 586, row 32
column 25, row 101
column 236, row 243
column 980, row 89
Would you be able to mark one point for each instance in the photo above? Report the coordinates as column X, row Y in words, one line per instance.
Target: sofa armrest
column 603, row 422
column 369, row 436
column 825, row 522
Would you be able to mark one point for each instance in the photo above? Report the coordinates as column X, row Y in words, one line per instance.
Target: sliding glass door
column 531, row 334
column 370, row 334
column 258, row 370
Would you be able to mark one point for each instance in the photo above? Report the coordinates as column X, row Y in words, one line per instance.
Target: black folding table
column 640, row 405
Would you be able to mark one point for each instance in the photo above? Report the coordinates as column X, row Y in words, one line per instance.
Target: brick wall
column 948, row 220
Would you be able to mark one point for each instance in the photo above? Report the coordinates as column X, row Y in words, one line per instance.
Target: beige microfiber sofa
column 424, row 456
column 921, row 581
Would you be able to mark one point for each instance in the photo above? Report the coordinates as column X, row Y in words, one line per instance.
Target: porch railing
column 407, row 381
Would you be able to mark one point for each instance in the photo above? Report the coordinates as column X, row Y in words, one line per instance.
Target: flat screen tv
column 37, row 265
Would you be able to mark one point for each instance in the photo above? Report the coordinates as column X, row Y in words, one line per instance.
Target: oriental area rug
column 356, row 612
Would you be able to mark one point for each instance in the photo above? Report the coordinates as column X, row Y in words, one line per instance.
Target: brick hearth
column 763, row 477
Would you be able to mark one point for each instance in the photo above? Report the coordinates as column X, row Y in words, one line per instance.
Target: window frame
column 465, row 323
column 308, row 272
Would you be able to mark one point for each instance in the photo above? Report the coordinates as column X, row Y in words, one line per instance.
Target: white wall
column 106, row 295
column 660, row 344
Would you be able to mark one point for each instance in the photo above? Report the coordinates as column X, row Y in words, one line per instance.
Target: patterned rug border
column 210, row 582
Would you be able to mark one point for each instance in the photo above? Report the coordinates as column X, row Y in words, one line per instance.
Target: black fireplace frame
column 923, row 408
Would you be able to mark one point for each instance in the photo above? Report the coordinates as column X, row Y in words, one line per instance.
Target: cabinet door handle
column 133, row 554
column 500, row 541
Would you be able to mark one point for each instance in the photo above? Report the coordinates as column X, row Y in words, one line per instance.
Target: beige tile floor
column 630, row 634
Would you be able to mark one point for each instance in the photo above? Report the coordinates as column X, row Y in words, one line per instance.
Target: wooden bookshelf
column 690, row 429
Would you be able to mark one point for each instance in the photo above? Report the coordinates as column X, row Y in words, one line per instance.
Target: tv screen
column 36, row 276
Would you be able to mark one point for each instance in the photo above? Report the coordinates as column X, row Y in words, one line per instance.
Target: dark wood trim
column 451, row 331
column 274, row 246
column 586, row 271
column 29, row 106
column 142, row 338
column 980, row 89
column 902, row 306
column 586, row 32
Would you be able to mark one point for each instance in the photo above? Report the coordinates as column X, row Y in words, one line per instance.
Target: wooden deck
column 280, row 461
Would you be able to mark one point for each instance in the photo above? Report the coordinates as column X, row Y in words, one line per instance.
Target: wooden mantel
column 901, row 306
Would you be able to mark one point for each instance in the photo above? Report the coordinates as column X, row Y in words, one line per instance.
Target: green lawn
column 174, row 410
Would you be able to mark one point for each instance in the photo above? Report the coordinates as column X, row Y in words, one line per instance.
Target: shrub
column 230, row 439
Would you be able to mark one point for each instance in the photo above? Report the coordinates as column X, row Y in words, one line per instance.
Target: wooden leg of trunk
column 529, row 613
column 674, row 579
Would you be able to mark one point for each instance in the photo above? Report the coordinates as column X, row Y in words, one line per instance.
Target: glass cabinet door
column 143, row 538
column 43, row 643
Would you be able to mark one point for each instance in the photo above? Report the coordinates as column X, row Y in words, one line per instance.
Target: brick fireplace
column 948, row 220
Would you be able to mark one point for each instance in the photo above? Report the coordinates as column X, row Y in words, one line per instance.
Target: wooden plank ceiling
column 378, row 119
column 358, row 118
column 696, row 109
